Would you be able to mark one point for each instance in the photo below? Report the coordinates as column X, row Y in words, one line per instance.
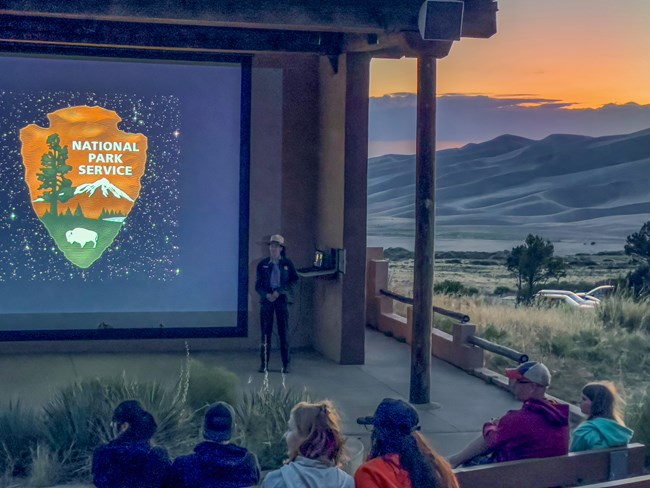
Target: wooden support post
column 424, row 230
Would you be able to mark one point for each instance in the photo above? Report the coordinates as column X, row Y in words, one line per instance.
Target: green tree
column 533, row 263
column 57, row 188
column 638, row 246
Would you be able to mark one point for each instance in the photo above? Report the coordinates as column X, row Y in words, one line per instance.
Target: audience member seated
column 130, row 461
column 399, row 456
column 604, row 427
column 216, row 463
column 315, row 446
column 539, row 429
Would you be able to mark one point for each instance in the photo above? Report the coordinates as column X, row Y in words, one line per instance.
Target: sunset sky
column 554, row 55
column 588, row 52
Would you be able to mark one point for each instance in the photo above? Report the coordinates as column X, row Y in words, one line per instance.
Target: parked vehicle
column 598, row 293
column 586, row 300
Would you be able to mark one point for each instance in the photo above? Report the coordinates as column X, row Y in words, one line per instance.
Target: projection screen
column 124, row 196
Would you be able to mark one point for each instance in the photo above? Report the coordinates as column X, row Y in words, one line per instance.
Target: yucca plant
column 46, row 467
column 56, row 445
column 20, row 431
column 262, row 418
column 77, row 419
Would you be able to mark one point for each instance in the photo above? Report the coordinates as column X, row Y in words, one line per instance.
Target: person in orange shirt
column 400, row 457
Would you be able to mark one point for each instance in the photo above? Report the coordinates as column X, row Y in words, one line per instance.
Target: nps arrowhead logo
column 83, row 175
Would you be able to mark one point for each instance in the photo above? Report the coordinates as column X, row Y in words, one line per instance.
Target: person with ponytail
column 129, row 460
column 604, row 426
column 315, row 448
column 399, row 455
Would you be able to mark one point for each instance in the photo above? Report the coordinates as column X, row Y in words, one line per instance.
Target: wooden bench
column 578, row 468
column 636, row 482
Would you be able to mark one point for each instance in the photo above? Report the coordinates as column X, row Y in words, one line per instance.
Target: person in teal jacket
column 604, row 427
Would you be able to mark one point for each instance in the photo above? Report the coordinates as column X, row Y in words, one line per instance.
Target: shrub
column 46, row 467
column 621, row 312
column 503, row 290
column 554, row 342
column 262, row 419
column 451, row 287
column 211, row 384
column 576, row 286
column 588, row 345
column 491, row 333
column 630, row 354
column 637, row 415
column 20, row 430
column 398, row 254
column 445, row 324
column 77, row 419
column 639, row 281
column 57, row 445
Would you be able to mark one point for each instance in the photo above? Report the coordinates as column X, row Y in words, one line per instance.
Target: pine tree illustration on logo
column 83, row 175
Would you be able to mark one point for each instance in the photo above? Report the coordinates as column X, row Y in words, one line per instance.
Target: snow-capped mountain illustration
column 106, row 188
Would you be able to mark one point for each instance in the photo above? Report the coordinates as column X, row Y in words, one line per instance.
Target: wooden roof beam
column 343, row 16
column 104, row 34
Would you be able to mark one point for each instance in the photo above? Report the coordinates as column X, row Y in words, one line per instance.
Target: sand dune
column 563, row 187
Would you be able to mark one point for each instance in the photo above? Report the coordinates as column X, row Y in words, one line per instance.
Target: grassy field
column 487, row 271
column 611, row 342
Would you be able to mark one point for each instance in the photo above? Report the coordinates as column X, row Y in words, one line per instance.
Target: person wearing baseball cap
column 275, row 277
column 539, row 429
column 216, row 461
column 399, row 456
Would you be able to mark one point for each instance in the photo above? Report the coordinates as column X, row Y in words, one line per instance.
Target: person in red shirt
column 539, row 429
column 400, row 456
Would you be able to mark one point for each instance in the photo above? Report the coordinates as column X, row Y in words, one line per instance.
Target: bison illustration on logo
column 83, row 175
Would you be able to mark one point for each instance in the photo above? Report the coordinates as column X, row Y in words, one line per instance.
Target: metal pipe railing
column 520, row 357
column 461, row 317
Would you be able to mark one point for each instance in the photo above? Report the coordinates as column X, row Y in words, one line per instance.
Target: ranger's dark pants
column 267, row 309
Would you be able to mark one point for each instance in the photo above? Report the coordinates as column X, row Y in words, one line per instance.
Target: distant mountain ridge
column 563, row 187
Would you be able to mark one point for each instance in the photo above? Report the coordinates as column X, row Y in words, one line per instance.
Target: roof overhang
column 384, row 28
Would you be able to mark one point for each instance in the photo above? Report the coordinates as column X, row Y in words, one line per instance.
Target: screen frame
column 240, row 328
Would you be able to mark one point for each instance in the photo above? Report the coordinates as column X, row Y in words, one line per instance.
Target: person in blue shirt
column 604, row 426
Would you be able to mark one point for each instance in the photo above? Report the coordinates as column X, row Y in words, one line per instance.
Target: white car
column 597, row 293
column 567, row 297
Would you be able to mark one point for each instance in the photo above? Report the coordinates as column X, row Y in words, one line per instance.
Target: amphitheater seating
column 636, row 482
column 579, row 468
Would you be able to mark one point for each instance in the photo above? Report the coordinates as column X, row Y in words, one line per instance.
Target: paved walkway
column 465, row 402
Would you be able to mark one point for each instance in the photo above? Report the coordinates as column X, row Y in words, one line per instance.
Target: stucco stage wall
column 339, row 303
column 327, row 296
column 293, row 212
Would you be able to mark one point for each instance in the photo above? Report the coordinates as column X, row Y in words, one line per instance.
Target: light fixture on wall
column 441, row 20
